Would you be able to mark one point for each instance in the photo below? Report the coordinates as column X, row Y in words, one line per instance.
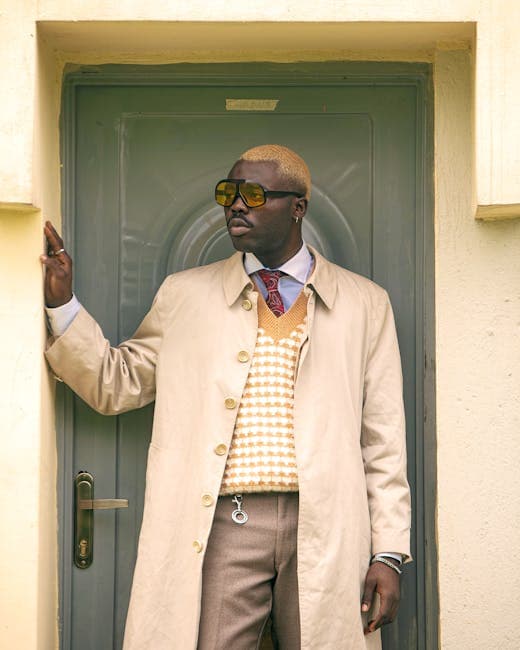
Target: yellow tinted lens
column 225, row 193
column 253, row 194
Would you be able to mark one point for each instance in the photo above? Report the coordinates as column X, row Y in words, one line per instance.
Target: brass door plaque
column 251, row 104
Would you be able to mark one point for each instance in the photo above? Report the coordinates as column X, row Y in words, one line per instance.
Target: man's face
column 269, row 231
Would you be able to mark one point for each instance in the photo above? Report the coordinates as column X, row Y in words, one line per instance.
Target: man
column 276, row 473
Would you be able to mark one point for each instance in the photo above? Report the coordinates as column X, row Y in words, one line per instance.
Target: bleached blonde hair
column 291, row 167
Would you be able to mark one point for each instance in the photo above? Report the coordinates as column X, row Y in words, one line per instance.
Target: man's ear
column 300, row 207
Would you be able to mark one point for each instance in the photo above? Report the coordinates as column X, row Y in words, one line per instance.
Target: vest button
column 247, row 304
column 207, row 500
column 230, row 403
column 221, row 449
column 243, row 356
column 198, row 546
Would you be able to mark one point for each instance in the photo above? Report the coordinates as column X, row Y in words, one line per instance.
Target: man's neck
column 298, row 267
column 275, row 261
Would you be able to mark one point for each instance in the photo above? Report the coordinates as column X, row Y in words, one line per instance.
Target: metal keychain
column 239, row 516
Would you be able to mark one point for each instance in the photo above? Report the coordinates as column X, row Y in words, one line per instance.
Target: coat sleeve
column 110, row 379
column 383, row 437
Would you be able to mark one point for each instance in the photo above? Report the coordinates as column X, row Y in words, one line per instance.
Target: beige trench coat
column 349, row 437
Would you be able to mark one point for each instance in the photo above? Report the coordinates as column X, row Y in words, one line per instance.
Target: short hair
column 291, row 167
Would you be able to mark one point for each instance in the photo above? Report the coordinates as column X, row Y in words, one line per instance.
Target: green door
column 142, row 150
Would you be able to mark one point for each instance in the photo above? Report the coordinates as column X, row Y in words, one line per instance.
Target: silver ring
column 240, row 517
column 54, row 253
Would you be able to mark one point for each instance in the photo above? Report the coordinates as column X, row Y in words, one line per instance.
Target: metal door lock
column 84, row 506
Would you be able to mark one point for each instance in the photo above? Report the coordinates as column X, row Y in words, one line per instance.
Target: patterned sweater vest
column 261, row 455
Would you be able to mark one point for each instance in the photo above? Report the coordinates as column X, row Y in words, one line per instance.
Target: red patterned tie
column 274, row 299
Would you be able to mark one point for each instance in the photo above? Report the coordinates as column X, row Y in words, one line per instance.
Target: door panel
column 142, row 163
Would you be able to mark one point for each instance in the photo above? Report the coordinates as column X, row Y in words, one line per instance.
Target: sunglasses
column 253, row 194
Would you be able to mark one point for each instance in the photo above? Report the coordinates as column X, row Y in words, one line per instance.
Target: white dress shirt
column 59, row 318
column 297, row 271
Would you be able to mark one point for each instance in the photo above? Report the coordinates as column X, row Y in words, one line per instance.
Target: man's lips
column 237, row 226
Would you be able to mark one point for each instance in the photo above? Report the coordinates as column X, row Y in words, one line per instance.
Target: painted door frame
column 312, row 74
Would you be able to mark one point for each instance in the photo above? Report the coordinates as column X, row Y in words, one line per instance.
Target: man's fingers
column 55, row 247
column 368, row 593
column 50, row 262
column 378, row 622
column 54, row 241
column 386, row 582
column 61, row 263
column 52, row 232
column 58, row 269
column 384, row 616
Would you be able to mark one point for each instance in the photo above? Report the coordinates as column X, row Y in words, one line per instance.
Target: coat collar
column 323, row 278
column 234, row 278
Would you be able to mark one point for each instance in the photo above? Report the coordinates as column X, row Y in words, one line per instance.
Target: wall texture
column 24, row 467
column 478, row 402
column 17, row 53
column 497, row 50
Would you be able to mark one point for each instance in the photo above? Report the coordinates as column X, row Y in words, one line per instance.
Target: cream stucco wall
column 22, row 460
column 477, row 135
column 497, row 58
column 478, row 402
column 28, row 543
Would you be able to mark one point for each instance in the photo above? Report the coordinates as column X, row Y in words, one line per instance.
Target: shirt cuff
column 393, row 556
column 59, row 318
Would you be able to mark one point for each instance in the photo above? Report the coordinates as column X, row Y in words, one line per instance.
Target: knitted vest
column 261, row 455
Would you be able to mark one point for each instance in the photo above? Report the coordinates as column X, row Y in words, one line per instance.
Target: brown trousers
column 250, row 573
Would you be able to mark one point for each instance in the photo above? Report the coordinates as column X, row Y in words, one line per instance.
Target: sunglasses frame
column 267, row 193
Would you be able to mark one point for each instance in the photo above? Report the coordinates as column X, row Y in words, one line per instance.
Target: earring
column 296, row 219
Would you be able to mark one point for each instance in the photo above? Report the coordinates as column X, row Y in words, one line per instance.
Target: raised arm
column 110, row 379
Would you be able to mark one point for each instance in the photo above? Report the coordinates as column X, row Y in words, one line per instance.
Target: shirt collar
column 323, row 278
column 298, row 267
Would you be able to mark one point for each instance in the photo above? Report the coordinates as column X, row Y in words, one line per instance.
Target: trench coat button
column 230, row 402
column 247, row 304
column 207, row 500
column 243, row 356
column 198, row 546
column 221, row 449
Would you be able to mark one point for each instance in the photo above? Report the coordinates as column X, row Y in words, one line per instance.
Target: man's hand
column 58, row 269
column 385, row 581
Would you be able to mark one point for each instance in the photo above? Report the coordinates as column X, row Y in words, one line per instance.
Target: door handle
column 84, row 506
column 102, row 504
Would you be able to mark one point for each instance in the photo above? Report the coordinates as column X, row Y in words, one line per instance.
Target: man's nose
column 238, row 204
